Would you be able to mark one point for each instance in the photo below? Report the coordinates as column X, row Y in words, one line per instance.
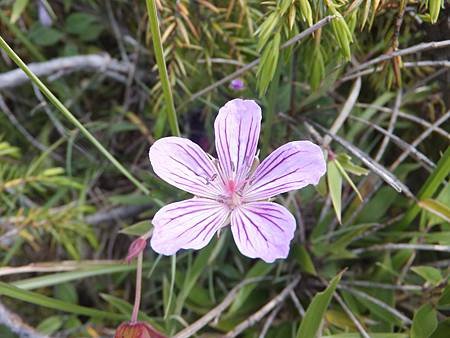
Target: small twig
column 402, row 246
column 215, row 312
column 386, row 175
column 375, row 285
column 344, row 113
column 378, row 302
column 390, row 130
column 69, row 64
column 406, row 116
column 258, row 315
column 16, row 325
column 402, row 144
column 255, row 62
column 297, row 304
column 410, row 50
column 419, row 139
column 406, row 64
column 351, row 315
column 269, row 321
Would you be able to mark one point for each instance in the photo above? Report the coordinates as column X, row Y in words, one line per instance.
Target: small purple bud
column 136, row 248
column 237, row 84
column 44, row 18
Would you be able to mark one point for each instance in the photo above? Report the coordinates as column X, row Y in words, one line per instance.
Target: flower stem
column 159, row 55
column 137, row 296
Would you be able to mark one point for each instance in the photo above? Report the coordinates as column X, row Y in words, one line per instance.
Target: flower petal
column 188, row 224
column 183, row 164
column 263, row 230
column 291, row 166
column 237, row 129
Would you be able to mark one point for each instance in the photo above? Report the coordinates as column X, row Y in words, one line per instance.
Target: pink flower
column 230, row 189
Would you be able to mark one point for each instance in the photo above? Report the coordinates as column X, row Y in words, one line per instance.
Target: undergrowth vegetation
column 367, row 80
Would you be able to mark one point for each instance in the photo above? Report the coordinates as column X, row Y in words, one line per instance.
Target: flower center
column 233, row 197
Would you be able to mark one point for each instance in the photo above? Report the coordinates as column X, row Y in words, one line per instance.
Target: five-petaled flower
column 230, row 189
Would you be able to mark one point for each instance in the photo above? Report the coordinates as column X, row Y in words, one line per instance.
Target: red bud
column 136, row 248
column 137, row 330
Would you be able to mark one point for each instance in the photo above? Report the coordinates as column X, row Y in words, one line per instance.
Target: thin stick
column 392, row 121
column 258, row 315
column 70, row 64
column 351, row 315
column 378, row 302
column 400, row 52
column 401, row 246
column 345, row 111
column 215, row 312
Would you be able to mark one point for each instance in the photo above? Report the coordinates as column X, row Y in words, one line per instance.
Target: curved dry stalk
column 258, row 315
column 410, row 50
column 69, row 64
column 378, row 302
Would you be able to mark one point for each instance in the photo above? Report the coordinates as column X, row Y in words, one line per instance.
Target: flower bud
column 137, row 330
column 237, row 84
column 136, row 248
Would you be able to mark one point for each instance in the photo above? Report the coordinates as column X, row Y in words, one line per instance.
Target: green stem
column 159, row 55
column 58, row 104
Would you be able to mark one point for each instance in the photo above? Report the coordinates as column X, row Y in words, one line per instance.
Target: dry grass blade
column 258, row 315
column 381, row 171
column 402, row 144
column 378, row 302
column 345, row 111
column 410, row 50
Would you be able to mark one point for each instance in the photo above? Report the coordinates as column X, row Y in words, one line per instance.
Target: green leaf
column 346, row 162
column 44, row 36
column 260, row 269
column 348, row 179
column 444, row 300
column 436, row 208
column 335, row 185
column 17, row 9
column 429, row 273
column 310, row 324
column 50, row 325
column 38, row 299
column 137, row 229
column 86, row 26
column 63, row 277
column 424, row 322
column 66, row 292
column 304, row 260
